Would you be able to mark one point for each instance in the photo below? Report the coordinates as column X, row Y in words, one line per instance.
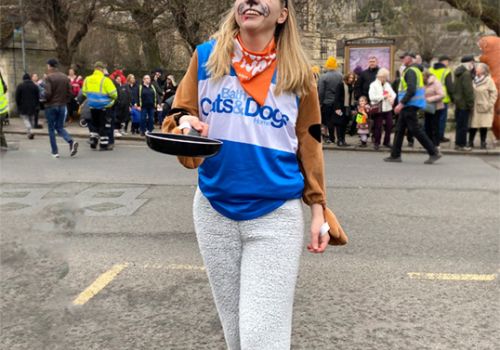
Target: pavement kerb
column 73, row 134
column 16, row 127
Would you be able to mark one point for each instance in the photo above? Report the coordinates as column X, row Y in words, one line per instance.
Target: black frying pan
column 191, row 145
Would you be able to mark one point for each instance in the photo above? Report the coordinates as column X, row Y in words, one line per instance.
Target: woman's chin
column 251, row 23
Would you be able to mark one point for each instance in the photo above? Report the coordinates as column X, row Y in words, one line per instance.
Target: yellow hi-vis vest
column 418, row 100
column 4, row 104
column 441, row 74
column 100, row 91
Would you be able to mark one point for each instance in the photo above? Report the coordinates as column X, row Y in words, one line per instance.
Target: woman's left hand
column 318, row 242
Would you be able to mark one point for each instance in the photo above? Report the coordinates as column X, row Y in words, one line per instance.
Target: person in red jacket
column 118, row 73
column 76, row 82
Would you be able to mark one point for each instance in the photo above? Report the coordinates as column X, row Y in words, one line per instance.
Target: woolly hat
column 358, row 70
column 316, row 69
column 408, row 53
column 331, row 63
column 100, row 64
column 467, row 58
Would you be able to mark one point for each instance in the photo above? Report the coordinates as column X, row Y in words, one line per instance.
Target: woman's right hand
column 195, row 123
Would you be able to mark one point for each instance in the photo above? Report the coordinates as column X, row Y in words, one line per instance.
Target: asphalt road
column 420, row 271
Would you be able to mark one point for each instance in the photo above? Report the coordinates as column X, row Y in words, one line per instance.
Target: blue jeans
column 147, row 117
column 443, row 118
column 56, row 116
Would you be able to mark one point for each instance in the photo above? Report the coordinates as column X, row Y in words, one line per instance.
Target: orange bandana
column 255, row 70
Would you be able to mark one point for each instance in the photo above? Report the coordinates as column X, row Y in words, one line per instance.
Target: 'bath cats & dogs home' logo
column 238, row 103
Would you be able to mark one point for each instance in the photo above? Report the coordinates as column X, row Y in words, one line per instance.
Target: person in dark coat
column 345, row 107
column 463, row 95
column 327, row 86
column 148, row 102
column 27, row 100
column 367, row 77
column 158, row 83
column 122, row 106
column 168, row 97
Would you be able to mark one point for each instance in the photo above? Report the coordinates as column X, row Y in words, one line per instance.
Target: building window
column 324, row 50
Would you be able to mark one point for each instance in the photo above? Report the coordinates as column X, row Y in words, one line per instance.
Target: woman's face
column 259, row 15
column 71, row 72
column 382, row 79
column 350, row 79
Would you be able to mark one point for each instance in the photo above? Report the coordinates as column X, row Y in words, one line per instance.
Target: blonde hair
column 383, row 72
column 294, row 73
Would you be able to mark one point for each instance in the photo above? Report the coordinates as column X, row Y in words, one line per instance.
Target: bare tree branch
column 488, row 11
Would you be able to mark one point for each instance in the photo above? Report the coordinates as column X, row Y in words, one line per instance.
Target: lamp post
column 374, row 14
column 23, row 48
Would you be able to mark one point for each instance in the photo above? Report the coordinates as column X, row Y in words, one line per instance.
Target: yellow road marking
column 451, row 276
column 101, row 282
column 185, row 267
column 174, row 267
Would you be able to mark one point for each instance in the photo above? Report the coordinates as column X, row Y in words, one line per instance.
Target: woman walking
column 383, row 96
column 485, row 96
column 247, row 210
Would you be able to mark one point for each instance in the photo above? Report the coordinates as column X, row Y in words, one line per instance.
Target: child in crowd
column 362, row 120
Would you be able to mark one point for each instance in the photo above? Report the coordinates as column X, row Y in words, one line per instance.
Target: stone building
column 38, row 48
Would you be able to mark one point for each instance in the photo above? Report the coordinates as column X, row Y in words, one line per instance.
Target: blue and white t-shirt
column 257, row 169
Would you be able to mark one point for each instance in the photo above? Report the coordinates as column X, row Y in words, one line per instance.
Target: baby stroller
column 84, row 112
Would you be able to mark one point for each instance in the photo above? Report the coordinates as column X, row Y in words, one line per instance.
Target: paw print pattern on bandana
column 248, row 65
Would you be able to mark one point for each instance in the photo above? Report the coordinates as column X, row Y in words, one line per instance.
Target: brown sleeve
column 310, row 152
column 186, row 97
column 185, row 103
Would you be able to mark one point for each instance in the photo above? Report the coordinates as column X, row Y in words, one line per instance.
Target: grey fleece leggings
column 252, row 267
